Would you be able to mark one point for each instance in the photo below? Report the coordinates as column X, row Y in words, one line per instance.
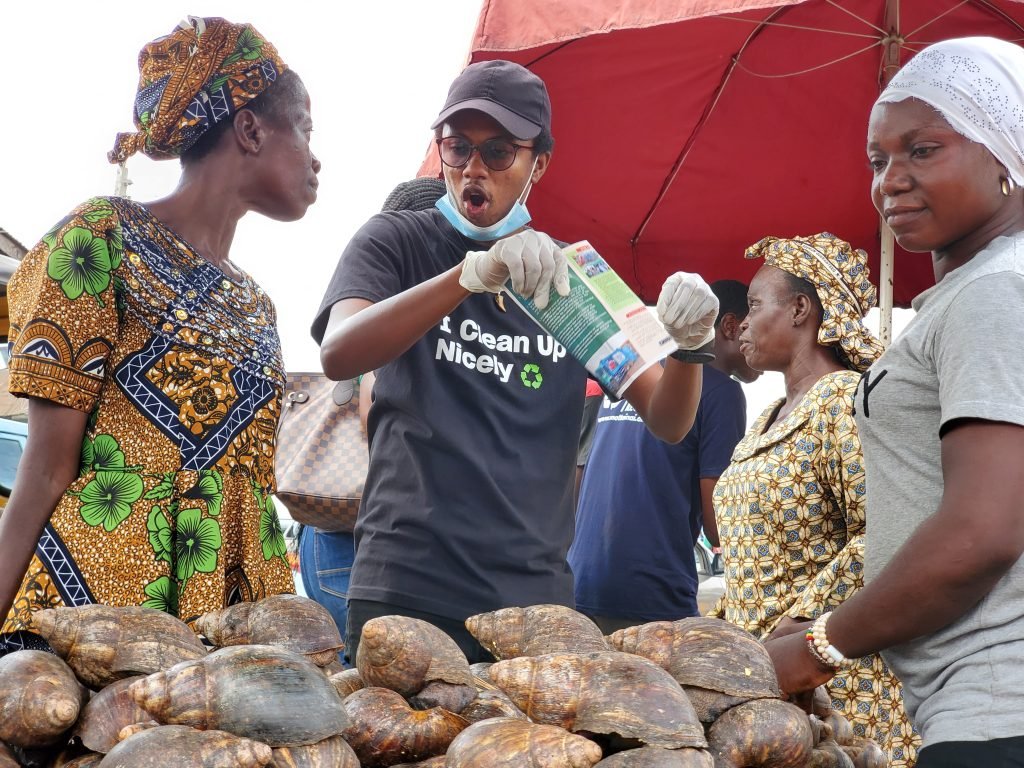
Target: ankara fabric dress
column 790, row 511
column 180, row 370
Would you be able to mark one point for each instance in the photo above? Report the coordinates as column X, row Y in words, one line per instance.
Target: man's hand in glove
column 688, row 309
column 531, row 259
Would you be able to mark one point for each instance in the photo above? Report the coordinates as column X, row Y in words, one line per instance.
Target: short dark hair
column 273, row 104
column 732, row 298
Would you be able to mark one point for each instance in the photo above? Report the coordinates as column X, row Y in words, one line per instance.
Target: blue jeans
column 325, row 561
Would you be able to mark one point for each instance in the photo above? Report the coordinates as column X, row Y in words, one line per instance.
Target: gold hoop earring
column 1007, row 186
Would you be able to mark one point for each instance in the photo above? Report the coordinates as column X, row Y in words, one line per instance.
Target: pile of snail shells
column 695, row 693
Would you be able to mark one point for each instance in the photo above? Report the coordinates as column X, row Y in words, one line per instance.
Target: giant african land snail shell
column 258, row 691
column 606, row 692
column 103, row 643
column 504, row 743
column 39, row 698
column 179, row 745
column 718, row 664
column 287, row 621
column 406, row 654
column 538, row 629
column 385, row 730
column 762, row 733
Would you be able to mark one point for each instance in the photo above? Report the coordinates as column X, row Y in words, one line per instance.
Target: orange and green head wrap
column 192, row 79
column 839, row 274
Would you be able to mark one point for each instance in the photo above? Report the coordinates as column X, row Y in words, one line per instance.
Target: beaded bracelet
column 822, row 649
column 814, row 651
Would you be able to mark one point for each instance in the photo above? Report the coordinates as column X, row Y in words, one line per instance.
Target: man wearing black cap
column 474, row 425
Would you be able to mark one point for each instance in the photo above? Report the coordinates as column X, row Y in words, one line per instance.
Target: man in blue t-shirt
column 643, row 501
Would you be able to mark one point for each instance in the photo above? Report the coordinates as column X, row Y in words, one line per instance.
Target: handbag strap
column 341, row 394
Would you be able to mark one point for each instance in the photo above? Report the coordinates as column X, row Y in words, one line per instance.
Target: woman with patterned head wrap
column 941, row 416
column 151, row 362
column 790, row 506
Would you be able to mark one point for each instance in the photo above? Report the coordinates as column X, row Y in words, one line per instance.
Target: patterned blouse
column 790, row 511
column 180, row 370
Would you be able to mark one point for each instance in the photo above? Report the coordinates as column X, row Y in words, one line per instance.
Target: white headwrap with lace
column 977, row 84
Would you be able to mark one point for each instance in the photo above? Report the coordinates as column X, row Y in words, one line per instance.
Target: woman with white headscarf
column 941, row 417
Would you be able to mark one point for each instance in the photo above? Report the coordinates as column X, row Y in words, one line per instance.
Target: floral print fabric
column 180, row 370
column 790, row 512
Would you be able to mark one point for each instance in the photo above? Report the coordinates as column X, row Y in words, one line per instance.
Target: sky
column 377, row 74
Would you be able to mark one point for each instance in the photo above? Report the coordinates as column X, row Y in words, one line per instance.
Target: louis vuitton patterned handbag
column 321, row 451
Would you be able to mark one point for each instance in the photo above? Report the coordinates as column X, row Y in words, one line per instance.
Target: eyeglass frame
column 476, row 148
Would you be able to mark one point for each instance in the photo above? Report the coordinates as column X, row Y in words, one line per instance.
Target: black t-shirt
column 473, row 435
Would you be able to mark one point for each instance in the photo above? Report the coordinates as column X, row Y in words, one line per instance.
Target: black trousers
column 998, row 753
column 361, row 611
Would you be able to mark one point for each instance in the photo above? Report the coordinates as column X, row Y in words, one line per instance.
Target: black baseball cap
column 508, row 92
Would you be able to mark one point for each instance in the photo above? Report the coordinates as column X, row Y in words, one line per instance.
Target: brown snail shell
column 385, row 730
column 607, row 692
column 506, row 743
column 7, row 757
column 656, row 757
column 347, row 681
column 64, row 760
column 821, row 702
column 490, row 704
column 103, row 643
column 287, row 621
column 130, row 730
column 106, row 713
column 178, row 745
column 335, row 667
column 865, row 753
column 438, row 693
column 39, row 698
column 762, row 733
column 89, row 760
column 404, row 654
column 718, row 664
column 842, row 731
column 329, row 753
column 435, row 762
column 828, row 754
column 257, row 691
column 481, row 677
column 536, row 630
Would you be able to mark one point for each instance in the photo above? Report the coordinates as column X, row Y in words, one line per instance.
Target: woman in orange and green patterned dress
column 790, row 506
column 151, row 362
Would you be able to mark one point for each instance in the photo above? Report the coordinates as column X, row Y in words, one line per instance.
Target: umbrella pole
column 890, row 66
column 885, row 286
column 122, row 181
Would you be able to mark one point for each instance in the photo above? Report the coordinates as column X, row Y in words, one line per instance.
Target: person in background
column 325, row 557
column 594, row 396
column 474, row 427
column 941, row 416
column 790, row 506
column 152, row 362
column 643, row 501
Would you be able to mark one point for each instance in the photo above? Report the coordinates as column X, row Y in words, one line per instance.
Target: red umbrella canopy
column 686, row 130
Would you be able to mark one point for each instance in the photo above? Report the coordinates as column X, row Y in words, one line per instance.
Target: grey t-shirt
column 960, row 357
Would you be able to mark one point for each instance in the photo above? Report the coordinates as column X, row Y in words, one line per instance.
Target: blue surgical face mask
column 514, row 220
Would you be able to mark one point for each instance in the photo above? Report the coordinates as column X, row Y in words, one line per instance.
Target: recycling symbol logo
column 531, row 376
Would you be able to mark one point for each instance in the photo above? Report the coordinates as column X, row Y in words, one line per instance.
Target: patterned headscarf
column 839, row 274
column 977, row 85
column 190, row 80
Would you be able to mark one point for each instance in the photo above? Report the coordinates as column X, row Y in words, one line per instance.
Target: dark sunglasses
column 497, row 154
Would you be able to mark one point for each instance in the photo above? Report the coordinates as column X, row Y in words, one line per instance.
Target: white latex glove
column 531, row 259
column 688, row 309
